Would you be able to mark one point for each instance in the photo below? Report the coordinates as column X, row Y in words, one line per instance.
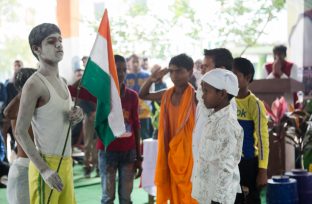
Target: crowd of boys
column 213, row 142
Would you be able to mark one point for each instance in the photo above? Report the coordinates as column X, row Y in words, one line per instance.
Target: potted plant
column 295, row 126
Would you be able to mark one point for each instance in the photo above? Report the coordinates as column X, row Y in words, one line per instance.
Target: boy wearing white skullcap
column 215, row 175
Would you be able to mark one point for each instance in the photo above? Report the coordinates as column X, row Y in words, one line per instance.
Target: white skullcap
column 222, row 79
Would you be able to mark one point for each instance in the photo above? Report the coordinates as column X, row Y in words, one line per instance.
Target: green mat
column 89, row 191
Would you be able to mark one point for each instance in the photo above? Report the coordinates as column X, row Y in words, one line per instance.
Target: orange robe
column 174, row 160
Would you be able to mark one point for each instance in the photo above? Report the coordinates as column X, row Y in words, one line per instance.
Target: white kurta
column 202, row 113
column 215, row 173
column 201, row 117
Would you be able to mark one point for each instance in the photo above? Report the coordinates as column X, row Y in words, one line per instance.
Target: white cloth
column 17, row 189
column 149, row 165
column 50, row 122
column 201, row 117
column 202, row 114
column 215, row 174
column 222, row 79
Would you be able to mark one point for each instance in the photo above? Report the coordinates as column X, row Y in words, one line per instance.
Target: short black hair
column 182, row 61
column 21, row 77
column 134, row 56
column 280, row 48
column 85, row 57
column 222, row 57
column 244, row 66
column 40, row 32
column 119, row 58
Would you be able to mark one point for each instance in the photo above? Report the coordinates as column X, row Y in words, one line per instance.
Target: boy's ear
column 35, row 49
column 248, row 77
column 190, row 72
column 223, row 93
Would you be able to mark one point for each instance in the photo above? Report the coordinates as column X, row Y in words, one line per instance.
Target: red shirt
column 286, row 68
column 130, row 107
column 83, row 94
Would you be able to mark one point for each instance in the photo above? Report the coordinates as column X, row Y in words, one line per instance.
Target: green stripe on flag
column 101, row 125
column 97, row 82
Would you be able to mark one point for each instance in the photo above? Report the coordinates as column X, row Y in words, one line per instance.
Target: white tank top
column 49, row 122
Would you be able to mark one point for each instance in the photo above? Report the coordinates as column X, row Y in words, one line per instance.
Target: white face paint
column 51, row 49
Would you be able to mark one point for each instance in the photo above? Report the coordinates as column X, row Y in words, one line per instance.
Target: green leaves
column 161, row 31
column 138, row 8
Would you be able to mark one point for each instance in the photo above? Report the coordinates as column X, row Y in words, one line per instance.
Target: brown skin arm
column 277, row 67
column 262, row 178
column 145, row 93
column 138, row 162
column 10, row 112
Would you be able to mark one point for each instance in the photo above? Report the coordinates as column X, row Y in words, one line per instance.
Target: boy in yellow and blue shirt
column 251, row 115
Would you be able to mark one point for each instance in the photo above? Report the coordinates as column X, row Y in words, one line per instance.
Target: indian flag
column 101, row 80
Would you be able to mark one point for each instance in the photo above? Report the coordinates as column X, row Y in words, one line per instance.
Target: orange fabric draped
column 174, row 160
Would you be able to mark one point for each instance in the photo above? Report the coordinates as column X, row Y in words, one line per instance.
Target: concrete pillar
column 68, row 20
column 300, row 37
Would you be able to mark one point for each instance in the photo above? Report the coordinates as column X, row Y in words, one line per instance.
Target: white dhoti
column 17, row 188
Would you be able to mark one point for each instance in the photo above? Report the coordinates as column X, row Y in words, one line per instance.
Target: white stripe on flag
column 99, row 54
column 116, row 122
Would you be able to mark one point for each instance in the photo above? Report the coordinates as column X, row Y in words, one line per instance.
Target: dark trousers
column 248, row 169
column 146, row 129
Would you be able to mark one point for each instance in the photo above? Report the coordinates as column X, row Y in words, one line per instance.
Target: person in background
column 134, row 81
column 11, row 92
column 197, row 71
column 251, row 116
column 193, row 82
column 281, row 68
column 17, row 189
column 84, row 60
column 4, row 165
column 77, row 133
column 78, row 73
column 129, row 64
column 88, row 130
column 145, row 65
column 123, row 155
column 3, row 96
column 2, row 119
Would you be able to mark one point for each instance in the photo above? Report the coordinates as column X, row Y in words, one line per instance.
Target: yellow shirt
column 251, row 115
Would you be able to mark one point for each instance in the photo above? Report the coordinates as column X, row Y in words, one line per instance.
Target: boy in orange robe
column 176, row 123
